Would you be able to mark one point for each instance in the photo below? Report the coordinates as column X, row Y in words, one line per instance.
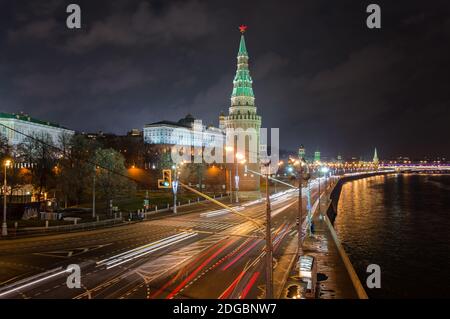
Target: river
column 400, row 222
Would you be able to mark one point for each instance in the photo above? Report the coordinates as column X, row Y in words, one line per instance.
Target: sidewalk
column 332, row 275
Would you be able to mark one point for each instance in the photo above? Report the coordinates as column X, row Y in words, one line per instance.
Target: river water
column 402, row 223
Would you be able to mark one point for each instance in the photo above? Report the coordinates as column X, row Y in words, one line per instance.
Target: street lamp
column 301, row 176
column 6, row 164
column 239, row 157
column 93, row 192
column 325, row 171
column 230, row 149
column 322, row 169
column 175, row 185
column 269, row 246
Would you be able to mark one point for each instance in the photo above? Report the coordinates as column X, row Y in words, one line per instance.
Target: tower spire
column 375, row 157
column 242, row 47
column 242, row 94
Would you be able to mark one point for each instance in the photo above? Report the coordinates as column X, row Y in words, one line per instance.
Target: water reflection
column 402, row 223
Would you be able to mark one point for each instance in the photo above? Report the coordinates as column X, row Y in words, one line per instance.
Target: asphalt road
column 206, row 253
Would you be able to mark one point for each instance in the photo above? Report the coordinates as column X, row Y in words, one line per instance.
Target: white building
column 186, row 132
column 16, row 127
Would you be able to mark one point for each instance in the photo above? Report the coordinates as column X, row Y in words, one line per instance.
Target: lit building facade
column 187, row 132
column 15, row 127
column 302, row 152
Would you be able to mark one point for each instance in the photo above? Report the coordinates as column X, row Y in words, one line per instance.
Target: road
column 202, row 254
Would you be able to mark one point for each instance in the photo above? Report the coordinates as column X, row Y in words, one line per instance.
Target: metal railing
column 33, row 231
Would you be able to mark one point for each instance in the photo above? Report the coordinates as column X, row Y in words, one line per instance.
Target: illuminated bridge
column 419, row 167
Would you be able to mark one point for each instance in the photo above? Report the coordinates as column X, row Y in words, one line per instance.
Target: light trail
column 241, row 254
column 127, row 256
column 249, row 285
column 197, row 270
column 53, row 273
column 220, row 212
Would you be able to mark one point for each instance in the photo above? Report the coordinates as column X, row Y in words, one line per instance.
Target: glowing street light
column 324, row 169
column 230, row 149
column 239, row 157
column 6, row 164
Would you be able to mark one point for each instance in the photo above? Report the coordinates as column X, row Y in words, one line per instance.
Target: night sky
column 319, row 73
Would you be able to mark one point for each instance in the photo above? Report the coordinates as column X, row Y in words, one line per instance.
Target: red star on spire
column 242, row 28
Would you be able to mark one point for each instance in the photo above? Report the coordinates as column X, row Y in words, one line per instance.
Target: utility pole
column 174, row 189
column 4, row 224
column 300, row 210
column 93, row 192
column 320, row 212
column 236, row 180
column 231, row 185
column 269, row 248
column 302, row 175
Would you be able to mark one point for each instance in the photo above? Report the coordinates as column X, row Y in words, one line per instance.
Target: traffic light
column 166, row 181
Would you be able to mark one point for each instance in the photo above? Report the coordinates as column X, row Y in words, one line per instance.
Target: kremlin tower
column 243, row 123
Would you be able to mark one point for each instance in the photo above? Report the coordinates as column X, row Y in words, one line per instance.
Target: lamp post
column 93, row 191
column 280, row 163
column 175, row 188
column 269, row 247
column 238, row 157
column 301, row 176
column 323, row 170
column 231, row 184
column 230, row 149
column 320, row 211
column 7, row 163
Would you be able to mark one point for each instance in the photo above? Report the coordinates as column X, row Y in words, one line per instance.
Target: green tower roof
column 242, row 83
column 242, row 47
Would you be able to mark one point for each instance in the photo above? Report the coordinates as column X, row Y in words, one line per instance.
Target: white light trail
column 29, row 281
column 132, row 254
column 220, row 212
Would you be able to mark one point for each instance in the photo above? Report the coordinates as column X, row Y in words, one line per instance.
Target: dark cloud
column 38, row 30
column 186, row 21
column 319, row 74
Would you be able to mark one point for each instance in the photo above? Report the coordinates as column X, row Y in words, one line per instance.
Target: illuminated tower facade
column 243, row 124
column 301, row 152
column 316, row 156
column 375, row 160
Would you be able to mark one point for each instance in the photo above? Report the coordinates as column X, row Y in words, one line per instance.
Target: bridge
column 420, row 167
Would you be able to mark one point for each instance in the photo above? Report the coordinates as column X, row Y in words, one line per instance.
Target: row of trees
column 65, row 171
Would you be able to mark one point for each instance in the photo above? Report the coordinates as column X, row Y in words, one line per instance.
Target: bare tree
column 40, row 152
column 111, row 175
column 75, row 169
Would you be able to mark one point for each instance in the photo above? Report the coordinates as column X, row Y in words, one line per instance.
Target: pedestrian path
column 334, row 280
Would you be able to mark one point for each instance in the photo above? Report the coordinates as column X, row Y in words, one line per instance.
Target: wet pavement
column 333, row 280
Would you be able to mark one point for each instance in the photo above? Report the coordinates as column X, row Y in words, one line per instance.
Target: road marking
column 72, row 252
